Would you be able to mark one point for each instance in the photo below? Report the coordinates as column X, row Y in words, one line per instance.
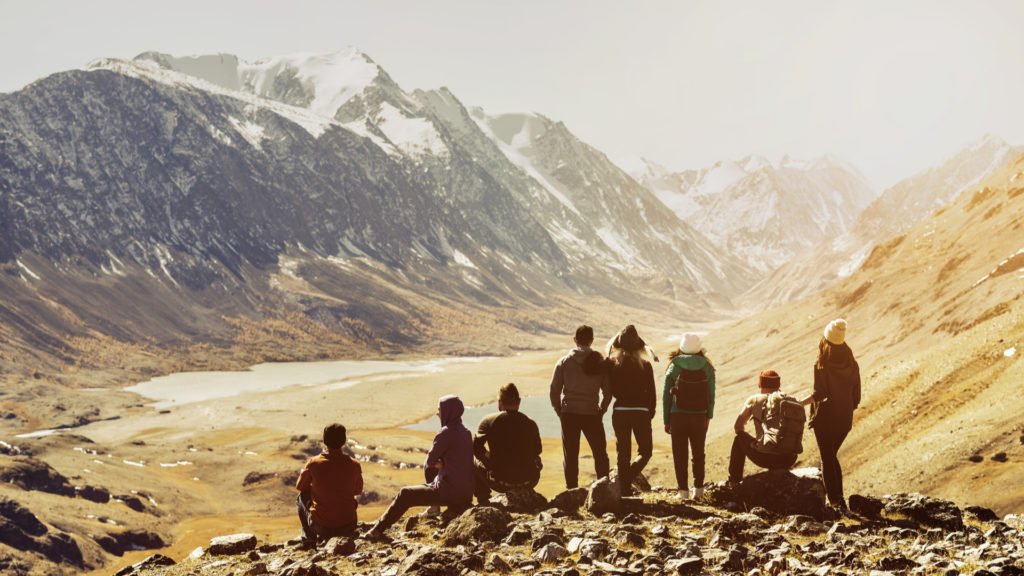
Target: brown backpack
column 690, row 390
column 783, row 424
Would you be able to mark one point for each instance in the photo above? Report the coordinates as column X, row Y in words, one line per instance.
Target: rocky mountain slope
column 765, row 212
column 897, row 209
column 144, row 205
column 937, row 323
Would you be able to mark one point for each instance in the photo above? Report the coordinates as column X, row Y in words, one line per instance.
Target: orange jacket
column 333, row 479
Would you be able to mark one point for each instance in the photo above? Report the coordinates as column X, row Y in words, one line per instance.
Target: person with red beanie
column 758, row 449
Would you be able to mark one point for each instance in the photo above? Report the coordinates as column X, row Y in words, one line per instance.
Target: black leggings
column 829, row 441
column 627, row 424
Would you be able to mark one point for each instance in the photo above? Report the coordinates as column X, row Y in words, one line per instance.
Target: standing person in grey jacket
column 449, row 470
column 580, row 395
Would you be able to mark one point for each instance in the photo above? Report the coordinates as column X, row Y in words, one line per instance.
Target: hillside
column 937, row 323
column 897, row 209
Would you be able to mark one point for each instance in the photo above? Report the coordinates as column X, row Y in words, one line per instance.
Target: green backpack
column 783, row 424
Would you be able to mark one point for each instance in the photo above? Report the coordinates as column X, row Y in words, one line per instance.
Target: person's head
column 508, row 398
column 691, row 345
column 335, row 436
column 768, row 381
column 627, row 344
column 584, row 336
column 450, row 409
column 832, row 349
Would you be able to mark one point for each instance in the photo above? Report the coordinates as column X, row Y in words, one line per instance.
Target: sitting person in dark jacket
column 328, row 485
column 507, row 448
column 448, row 470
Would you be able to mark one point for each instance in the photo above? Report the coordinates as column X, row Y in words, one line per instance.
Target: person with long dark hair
column 632, row 381
column 688, row 404
column 836, row 395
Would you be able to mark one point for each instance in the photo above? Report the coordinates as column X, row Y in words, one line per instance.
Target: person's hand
column 668, row 428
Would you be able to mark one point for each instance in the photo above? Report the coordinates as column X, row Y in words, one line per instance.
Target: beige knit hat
column 690, row 343
column 835, row 332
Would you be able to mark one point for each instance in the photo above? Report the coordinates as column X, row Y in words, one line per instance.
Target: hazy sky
column 891, row 86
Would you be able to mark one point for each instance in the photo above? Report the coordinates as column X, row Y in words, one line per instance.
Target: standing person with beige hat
column 836, row 395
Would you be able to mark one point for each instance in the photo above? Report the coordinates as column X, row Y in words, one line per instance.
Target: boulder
column 784, row 492
column 550, row 553
column 434, row 562
column 31, row 474
column 256, row 477
column 570, row 500
column 924, row 510
column 339, row 546
column 688, row 565
column 981, row 513
column 131, row 501
column 154, row 561
column 867, row 506
column 232, row 544
column 520, row 535
column 480, row 524
column 603, row 497
column 523, row 501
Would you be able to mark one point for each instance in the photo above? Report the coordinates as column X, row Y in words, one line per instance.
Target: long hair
column 679, row 352
column 618, row 356
column 834, row 354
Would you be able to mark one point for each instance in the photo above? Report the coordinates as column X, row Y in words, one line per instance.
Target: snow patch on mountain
column 415, row 136
column 332, row 78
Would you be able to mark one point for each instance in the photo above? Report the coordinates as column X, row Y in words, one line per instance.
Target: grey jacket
column 453, row 447
column 578, row 379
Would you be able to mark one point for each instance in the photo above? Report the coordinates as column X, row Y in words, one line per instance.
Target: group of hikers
column 505, row 453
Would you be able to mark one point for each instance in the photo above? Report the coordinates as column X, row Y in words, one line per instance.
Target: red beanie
column 769, row 379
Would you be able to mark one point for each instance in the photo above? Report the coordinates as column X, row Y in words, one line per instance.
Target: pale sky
column 893, row 87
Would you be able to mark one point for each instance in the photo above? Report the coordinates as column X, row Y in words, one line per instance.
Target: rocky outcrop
column 650, row 540
column 482, row 524
column 117, row 543
column 233, row 544
column 21, row 529
column 784, row 492
column 525, row 501
column 32, row 474
column 154, row 561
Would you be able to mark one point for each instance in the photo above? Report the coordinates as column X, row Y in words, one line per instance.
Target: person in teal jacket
column 688, row 405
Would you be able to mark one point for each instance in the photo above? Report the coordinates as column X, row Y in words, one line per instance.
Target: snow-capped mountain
column 427, row 127
column 898, row 208
column 155, row 197
column 763, row 211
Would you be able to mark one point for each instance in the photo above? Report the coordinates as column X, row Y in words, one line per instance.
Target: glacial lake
column 187, row 387
column 538, row 408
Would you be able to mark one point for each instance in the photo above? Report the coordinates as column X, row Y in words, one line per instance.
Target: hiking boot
column 432, row 512
column 697, row 492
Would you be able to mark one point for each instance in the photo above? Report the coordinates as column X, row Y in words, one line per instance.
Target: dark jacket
column 453, row 447
column 633, row 385
column 836, row 392
column 508, row 445
column 579, row 379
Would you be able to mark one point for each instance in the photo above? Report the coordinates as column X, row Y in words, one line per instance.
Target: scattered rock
column 233, row 544
column 131, row 501
column 1000, row 457
column 570, row 500
column 688, row 565
column 603, row 497
column 154, row 561
column 981, row 514
column 976, row 458
column 256, row 477
column 925, row 511
column 550, row 553
column 480, row 524
column 338, row 546
column 519, row 535
column 525, row 501
column 866, row 506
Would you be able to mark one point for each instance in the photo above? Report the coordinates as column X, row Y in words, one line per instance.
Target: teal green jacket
column 688, row 362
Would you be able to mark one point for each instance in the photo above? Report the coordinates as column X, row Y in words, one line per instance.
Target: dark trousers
column 412, row 496
column 829, row 441
column 593, row 429
column 627, row 424
column 743, row 448
column 689, row 432
column 310, row 529
column 485, row 482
